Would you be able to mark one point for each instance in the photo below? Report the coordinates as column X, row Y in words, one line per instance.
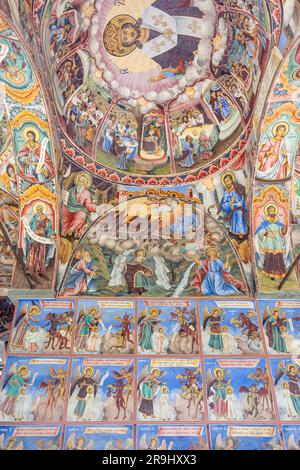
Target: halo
column 218, row 369
column 154, row 369
column 31, row 129
column 153, row 311
column 271, row 204
column 275, row 308
column 228, row 173
column 291, row 365
column 112, row 36
column 212, row 248
column 39, row 204
column 280, row 124
column 284, row 383
column 35, row 307
column 87, row 177
column 216, row 308
column 23, row 367
column 88, row 368
column 93, row 308
column 296, row 74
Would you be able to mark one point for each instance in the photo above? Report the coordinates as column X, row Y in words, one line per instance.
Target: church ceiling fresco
column 182, row 103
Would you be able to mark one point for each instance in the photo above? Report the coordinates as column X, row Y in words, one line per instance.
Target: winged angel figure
column 11, row 443
column 79, row 443
column 153, row 444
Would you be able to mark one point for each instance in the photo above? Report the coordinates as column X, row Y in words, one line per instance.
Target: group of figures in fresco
column 167, row 365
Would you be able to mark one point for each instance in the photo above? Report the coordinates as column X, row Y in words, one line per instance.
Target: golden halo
column 23, row 367
column 93, row 308
column 112, row 36
column 31, row 129
column 154, row 311
column 155, row 369
column 87, row 177
column 216, row 308
column 39, row 204
column 275, row 308
column 271, row 204
column 35, row 307
column 280, row 124
column 284, row 383
column 290, row 365
column 228, row 173
column 17, row 78
column 88, row 368
column 229, row 388
column 218, row 369
column 212, row 248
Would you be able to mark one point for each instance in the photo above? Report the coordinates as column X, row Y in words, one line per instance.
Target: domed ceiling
column 171, row 83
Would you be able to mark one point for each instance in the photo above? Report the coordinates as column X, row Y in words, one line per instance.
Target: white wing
column 117, row 277
column 184, row 282
column 292, row 444
column 143, row 443
column 163, row 445
column 129, row 444
column 1, row 441
column 219, row 443
column 161, row 271
column 20, row 446
column 90, row 445
column 71, row 441
column 105, row 376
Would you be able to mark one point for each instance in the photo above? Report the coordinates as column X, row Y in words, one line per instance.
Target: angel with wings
column 292, row 445
column 119, row 444
column 273, row 322
column 82, row 382
column 86, row 322
column 148, row 387
column 11, row 443
column 15, row 380
column 213, row 321
column 153, row 443
column 217, row 390
column 292, row 373
column 42, row 444
column 148, row 321
column 229, row 443
column 25, row 319
column 79, row 443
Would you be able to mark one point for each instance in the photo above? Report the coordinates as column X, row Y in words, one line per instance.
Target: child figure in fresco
column 93, row 341
column 289, row 405
column 19, row 408
column 289, row 340
column 230, row 405
column 33, row 337
column 89, row 399
column 226, row 340
column 164, row 403
column 160, row 341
